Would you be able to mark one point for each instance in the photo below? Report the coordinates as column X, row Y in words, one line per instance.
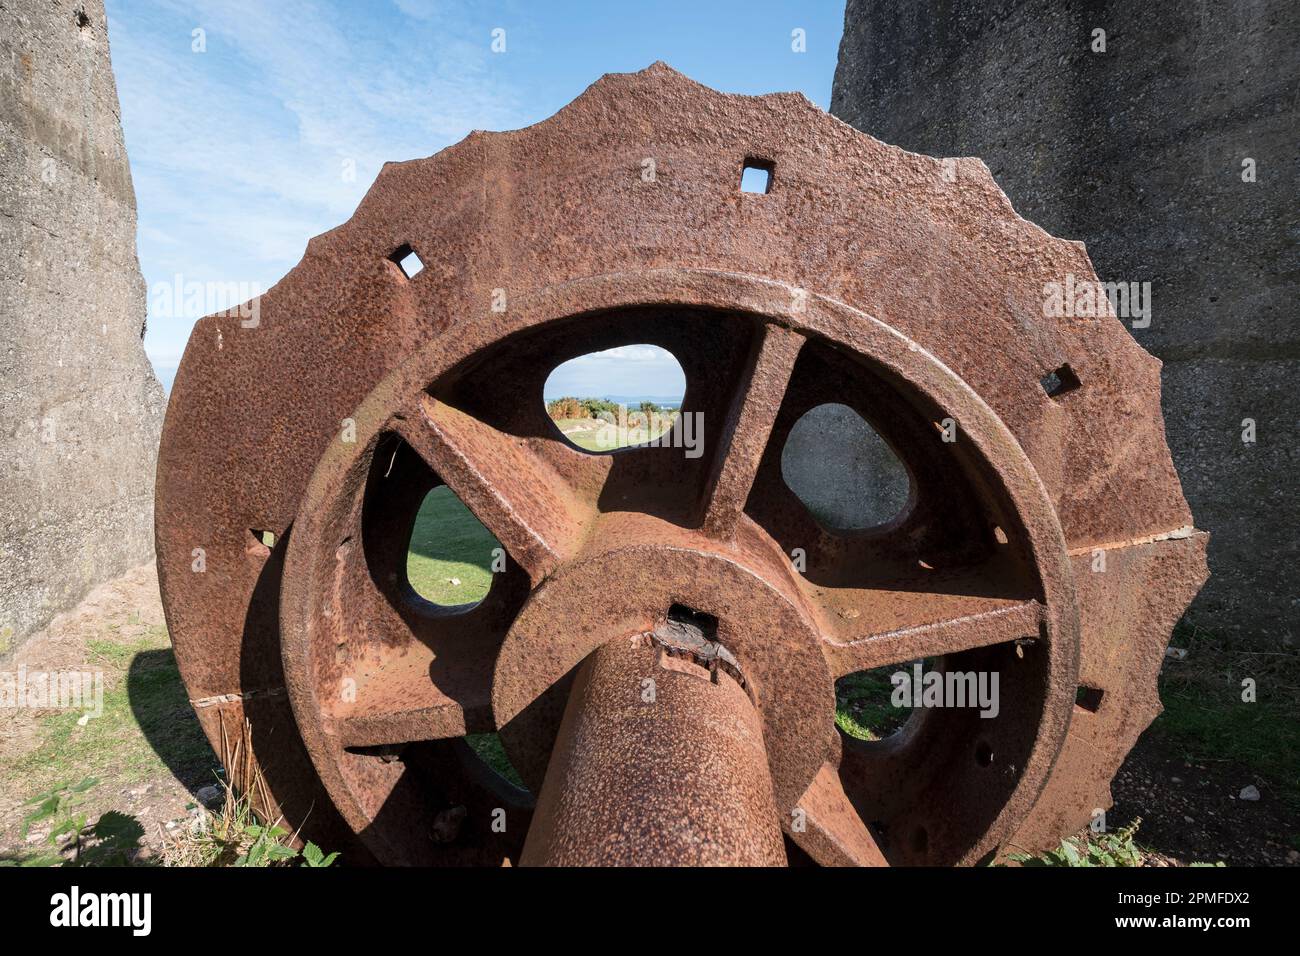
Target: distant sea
column 631, row 401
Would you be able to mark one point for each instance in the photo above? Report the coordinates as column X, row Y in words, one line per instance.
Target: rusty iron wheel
column 359, row 390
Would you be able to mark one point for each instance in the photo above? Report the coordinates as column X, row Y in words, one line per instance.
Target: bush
column 569, row 407
column 562, row 408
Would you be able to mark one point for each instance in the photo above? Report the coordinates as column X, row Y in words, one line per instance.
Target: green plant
column 113, row 839
column 56, row 805
column 313, row 856
column 268, row 846
column 1097, row 849
column 237, row 834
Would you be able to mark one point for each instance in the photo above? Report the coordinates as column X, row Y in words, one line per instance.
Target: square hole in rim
column 406, row 259
column 756, row 176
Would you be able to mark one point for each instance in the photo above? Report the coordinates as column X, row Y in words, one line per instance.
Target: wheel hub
column 660, row 569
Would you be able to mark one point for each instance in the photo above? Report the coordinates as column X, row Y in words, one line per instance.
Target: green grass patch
column 863, row 708
column 594, row 435
column 1264, row 736
column 493, row 753
column 1206, row 717
column 147, row 727
column 450, row 560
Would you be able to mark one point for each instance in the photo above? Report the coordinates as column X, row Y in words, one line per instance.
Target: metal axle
column 659, row 762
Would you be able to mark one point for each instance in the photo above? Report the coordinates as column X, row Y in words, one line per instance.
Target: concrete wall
column 1138, row 151
column 80, row 410
column 842, row 470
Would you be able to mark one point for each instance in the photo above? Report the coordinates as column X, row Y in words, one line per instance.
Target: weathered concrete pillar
column 842, row 469
column 80, row 409
column 1168, row 146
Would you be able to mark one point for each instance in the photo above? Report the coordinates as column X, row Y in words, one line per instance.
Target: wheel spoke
column 401, row 669
column 407, row 697
column 375, row 727
column 437, row 686
column 956, row 623
column 749, row 425
column 518, row 496
column 826, row 826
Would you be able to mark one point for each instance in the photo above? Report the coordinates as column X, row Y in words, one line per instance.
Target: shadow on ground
column 162, row 709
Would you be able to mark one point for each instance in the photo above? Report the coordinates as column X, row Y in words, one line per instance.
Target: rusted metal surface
column 659, row 761
column 899, row 285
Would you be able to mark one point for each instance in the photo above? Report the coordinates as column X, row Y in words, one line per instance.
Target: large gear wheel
column 1046, row 538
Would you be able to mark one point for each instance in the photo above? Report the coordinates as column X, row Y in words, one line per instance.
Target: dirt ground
column 151, row 760
column 117, row 630
column 1191, row 809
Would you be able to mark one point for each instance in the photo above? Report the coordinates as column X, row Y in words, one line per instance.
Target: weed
column 238, row 833
column 112, row 840
column 1095, row 849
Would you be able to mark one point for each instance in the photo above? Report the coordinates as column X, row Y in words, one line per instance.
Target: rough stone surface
column 1138, row 151
column 80, row 409
column 841, row 468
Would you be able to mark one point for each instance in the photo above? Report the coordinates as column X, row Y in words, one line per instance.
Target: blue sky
column 629, row 373
column 273, row 133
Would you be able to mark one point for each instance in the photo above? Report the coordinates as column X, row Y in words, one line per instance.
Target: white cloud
column 238, row 152
column 628, row 370
column 625, row 354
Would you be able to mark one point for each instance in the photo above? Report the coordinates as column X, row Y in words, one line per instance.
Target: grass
column 493, row 753
column 146, row 710
column 146, row 730
column 863, row 708
column 72, row 840
column 594, row 435
column 450, row 563
column 450, row 560
column 234, row 835
column 1207, row 719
